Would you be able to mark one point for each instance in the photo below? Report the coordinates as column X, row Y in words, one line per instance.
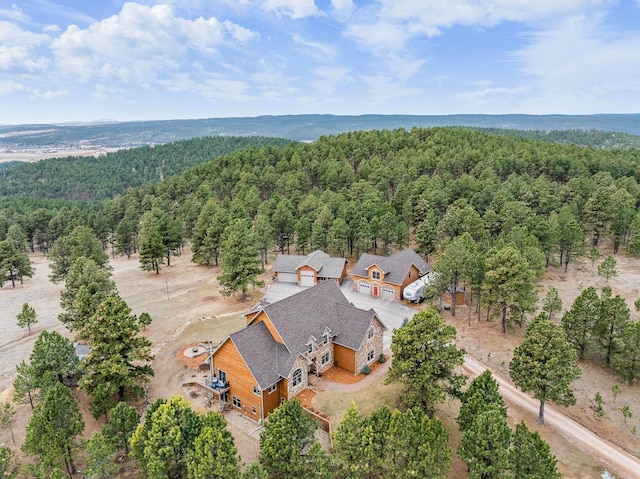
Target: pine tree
column 530, row 456
column 579, row 321
column 610, row 323
column 214, row 455
column 151, row 247
column 119, row 358
column 100, row 458
column 482, row 395
column 67, row 249
column 607, row 268
column 240, row 263
column 484, row 446
column 163, row 443
column 27, row 317
column 424, row 360
column 123, row 421
column 53, row 430
column 545, row 364
column 352, row 449
column 626, row 361
column 14, row 264
column 288, row 449
column 552, row 303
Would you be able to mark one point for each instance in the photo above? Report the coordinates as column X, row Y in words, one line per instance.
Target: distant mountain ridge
column 293, row 127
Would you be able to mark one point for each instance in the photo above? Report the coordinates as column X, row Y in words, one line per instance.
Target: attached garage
column 307, row 278
column 364, row 287
column 388, row 293
column 288, row 277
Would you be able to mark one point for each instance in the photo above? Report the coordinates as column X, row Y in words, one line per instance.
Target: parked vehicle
column 415, row 291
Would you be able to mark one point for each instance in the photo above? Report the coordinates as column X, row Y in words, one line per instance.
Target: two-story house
column 284, row 343
column 387, row 276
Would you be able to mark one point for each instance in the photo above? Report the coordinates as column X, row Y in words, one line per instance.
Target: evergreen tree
column 214, row 455
column 626, row 361
column 100, row 458
column 579, row 321
column 27, row 317
column 424, row 360
column 119, row 358
column 352, row 449
column 482, row 395
column 86, row 286
column 163, row 443
column 610, row 324
column 484, row 446
column 8, row 464
column 545, row 364
column 123, row 421
column 240, row 263
column 67, row 249
column 607, row 268
column 152, row 249
column 508, row 284
column 552, row 303
column 52, row 356
column 25, row 383
column 14, row 264
column 454, row 264
column 288, row 449
column 416, row 446
column 7, row 413
column 530, row 456
column 126, row 237
column 53, row 430
column 206, row 237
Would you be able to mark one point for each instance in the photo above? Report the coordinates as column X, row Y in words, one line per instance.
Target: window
column 271, row 389
column 370, row 356
column 325, row 358
column 325, row 339
column 370, row 333
column 297, row 377
column 256, row 390
column 253, row 409
column 236, row 401
column 375, row 274
column 310, row 348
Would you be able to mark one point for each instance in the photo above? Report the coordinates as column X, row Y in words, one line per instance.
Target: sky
column 91, row 60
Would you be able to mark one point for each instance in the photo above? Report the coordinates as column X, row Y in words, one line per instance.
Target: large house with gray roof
column 284, row 344
column 387, row 276
column 309, row 270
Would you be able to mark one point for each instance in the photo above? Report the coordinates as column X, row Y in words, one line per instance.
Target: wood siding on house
column 262, row 316
column 271, row 401
column 240, row 379
column 344, row 358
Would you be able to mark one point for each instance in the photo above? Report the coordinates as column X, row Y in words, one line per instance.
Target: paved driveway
column 391, row 313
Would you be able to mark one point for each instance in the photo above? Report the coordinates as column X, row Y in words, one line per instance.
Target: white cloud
column 9, row 87
column 342, row 8
column 320, row 51
column 15, row 14
column 142, row 43
column 404, row 19
column 19, row 49
column 579, row 57
column 292, row 8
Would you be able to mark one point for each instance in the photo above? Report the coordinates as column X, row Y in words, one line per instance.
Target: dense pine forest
column 89, row 178
column 491, row 211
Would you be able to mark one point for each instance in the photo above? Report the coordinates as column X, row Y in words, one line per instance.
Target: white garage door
column 364, row 287
column 288, row 277
column 388, row 293
column 306, row 278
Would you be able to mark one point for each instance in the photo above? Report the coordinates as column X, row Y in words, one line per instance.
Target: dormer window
column 310, row 348
column 325, row 339
column 375, row 274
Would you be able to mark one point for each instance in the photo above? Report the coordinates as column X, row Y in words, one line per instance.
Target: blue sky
column 91, row 60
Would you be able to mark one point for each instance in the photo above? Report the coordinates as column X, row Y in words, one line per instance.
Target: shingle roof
column 260, row 360
column 326, row 266
column 395, row 267
column 296, row 318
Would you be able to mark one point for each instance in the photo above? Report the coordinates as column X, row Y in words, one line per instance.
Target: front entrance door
column 375, row 291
